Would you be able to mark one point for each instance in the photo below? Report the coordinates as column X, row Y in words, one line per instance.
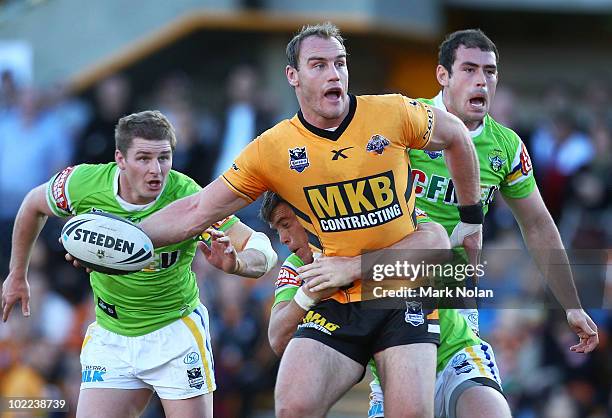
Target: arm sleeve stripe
column 236, row 190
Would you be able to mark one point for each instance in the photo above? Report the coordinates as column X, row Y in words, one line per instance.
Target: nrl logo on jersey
column 433, row 154
column 298, row 159
column 496, row 160
column 377, row 144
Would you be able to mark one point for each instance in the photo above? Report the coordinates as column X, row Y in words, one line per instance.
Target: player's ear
column 292, row 76
column 442, row 75
column 119, row 159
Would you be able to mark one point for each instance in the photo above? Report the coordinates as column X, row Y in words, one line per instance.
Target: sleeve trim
column 236, row 191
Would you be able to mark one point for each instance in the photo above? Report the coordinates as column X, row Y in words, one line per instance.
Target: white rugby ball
column 107, row 243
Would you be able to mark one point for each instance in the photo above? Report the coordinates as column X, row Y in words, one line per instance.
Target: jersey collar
column 130, row 207
column 439, row 103
column 333, row 135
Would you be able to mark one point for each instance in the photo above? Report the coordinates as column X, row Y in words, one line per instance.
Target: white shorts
column 175, row 361
column 472, row 366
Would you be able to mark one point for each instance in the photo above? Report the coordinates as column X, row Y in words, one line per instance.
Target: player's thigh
column 408, row 375
column 312, row 377
column 112, row 403
column 470, row 385
column 198, row 407
column 481, row 402
column 177, row 360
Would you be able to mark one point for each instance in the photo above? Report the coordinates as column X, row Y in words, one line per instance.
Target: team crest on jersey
column 433, row 154
column 195, row 378
column 496, row 160
column 414, row 314
column 377, row 144
column 298, row 159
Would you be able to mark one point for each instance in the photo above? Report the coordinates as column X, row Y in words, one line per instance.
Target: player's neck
column 318, row 121
column 128, row 194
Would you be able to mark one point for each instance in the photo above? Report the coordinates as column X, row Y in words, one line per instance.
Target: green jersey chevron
column 504, row 166
column 138, row 303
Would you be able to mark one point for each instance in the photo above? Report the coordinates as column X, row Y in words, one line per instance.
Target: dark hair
column 268, row 203
column 150, row 124
column 322, row 30
column 469, row 38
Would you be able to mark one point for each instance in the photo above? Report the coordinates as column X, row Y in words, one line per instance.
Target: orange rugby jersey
column 351, row 188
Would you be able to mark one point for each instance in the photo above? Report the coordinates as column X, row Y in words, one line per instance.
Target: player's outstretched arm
column 191, row 215
column 242, row 251
column 30, row 220
column 428, row 244
column 451, row 135
column 545, row 246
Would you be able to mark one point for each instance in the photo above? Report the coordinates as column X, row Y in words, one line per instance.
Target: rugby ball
column 107, row 243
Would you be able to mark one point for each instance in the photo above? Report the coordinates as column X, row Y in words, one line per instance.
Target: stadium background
column 70, row 69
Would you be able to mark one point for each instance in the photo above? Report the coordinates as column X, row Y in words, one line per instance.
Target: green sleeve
column 62, row 193
column 519, row 181
column 288, row 281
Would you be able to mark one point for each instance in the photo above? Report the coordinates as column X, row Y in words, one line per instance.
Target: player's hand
column 320, row 295
column 15, row 289
column 468, row 236
column 330, row 272
column 221, row 253
column 69, row 258
column 580, row 322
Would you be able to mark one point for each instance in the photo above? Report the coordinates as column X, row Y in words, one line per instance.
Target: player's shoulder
column 293, row 261
column 280, row 130
column 380, row 99
column 501, row 133
column 91, row 178
column 180, row 185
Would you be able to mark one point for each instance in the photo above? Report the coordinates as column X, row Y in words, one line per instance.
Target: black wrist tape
column 471, row 214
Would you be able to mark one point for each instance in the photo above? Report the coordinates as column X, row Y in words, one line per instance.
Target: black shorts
column 360, row 329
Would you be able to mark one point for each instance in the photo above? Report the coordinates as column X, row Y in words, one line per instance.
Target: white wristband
column 461, row 231
column 303, row 300
column 260, row 242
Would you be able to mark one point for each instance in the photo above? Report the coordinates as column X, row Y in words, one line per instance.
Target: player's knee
column 414, row 409
column 295, row 406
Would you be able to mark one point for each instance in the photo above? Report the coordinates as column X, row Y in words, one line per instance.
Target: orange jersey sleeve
column 419, row 123
column 246, row 176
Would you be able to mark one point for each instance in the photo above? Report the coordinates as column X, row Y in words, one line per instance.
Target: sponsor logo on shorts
column 195, row 378
column 414, row 314
column 377, row 144
column 318, row 322
column 298, row 159
column 191, row 358
column 93, row 374
column 461, row 364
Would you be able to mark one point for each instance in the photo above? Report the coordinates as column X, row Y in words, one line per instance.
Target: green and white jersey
column 504, row 165
column 455, row 334
column 137, row 303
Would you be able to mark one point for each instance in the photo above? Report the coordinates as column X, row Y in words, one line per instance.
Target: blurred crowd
column 569, row 135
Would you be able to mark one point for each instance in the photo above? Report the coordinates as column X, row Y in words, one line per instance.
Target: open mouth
column 333, row 94
column 478, row 102
column 154, row 184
